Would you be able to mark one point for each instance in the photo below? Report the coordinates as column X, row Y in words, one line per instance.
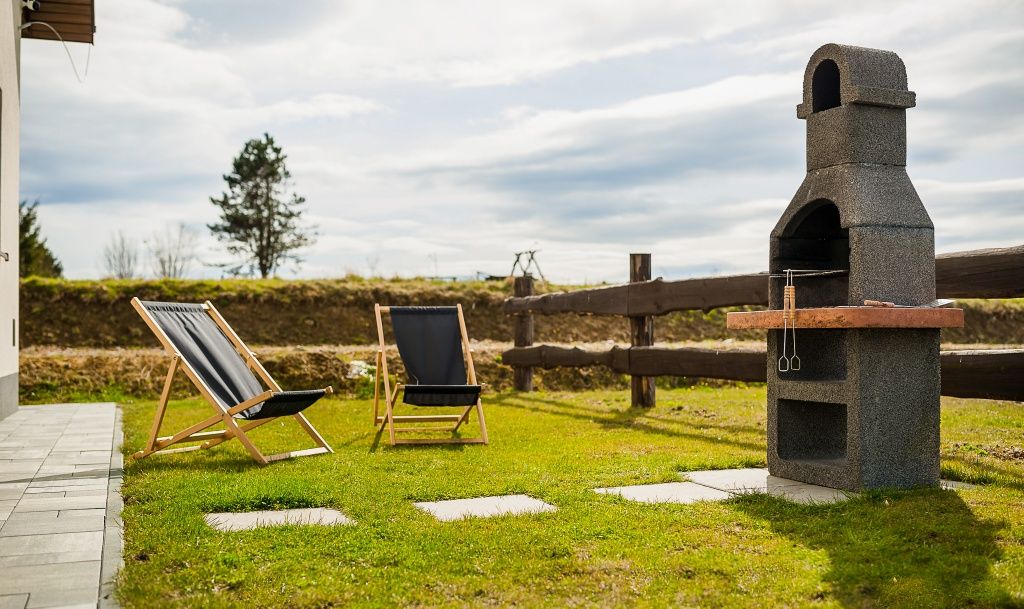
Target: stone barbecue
column 853, row 390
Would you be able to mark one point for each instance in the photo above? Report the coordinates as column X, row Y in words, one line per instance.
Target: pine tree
column 259, row 219
column 34, row 256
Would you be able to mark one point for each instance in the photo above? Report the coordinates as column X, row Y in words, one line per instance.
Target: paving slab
column 52, row 525
column 484, row 507
column 668, row 492
column 48, row 558
column 953, row 485
column 31, row 504
column 59, row 525
column 51, row 542
column 34, row 579
column 66, row 598
column 242, row 521
column 731, row 479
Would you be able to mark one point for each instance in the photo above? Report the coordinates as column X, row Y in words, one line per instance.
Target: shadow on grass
column 632, row 419
column 1006, row 475
column 909, row 549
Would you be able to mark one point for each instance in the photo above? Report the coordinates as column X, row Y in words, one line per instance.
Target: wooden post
column 522, row 379
column 641, row 332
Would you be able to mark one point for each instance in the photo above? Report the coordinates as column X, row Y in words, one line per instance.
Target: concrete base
column 8, row 395
column 873, row 423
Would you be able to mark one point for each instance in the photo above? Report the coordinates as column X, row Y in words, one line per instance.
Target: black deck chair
column 434, row 346
column 221, row 367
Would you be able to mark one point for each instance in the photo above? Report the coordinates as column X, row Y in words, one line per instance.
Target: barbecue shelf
column 849, row 317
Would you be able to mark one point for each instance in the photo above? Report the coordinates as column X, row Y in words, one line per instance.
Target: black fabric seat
column 219, row 365
column 441, row 395
column 430, row 343
column 283, row 404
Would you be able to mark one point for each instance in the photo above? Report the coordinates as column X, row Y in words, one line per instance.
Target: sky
column 438, row 137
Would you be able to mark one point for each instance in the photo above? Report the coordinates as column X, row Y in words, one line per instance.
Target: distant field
column 340, row 312
column 925, row 548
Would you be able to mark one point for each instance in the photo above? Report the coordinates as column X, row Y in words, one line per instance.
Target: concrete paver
column 241, row 521
column 484, row 507
column 669, row 492
column 56, row 529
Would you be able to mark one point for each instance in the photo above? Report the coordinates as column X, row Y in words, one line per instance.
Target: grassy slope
column 894, row 549
column 90, row 313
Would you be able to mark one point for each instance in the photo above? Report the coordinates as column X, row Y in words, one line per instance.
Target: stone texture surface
column 863, row 411
column 484, row 507
column 669, row 492
column 856, row 134
column 873, row 76
column 244, row 521
column 57, row 466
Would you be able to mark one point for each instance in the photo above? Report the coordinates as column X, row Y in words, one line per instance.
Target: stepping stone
column 746, row 479
column 484, row 507
column 670, row 492
column 243, row 521
column 800, row 492
column 952, row 485
column 758, row 480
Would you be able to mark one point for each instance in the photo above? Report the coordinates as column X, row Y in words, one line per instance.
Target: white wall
column 10, row 116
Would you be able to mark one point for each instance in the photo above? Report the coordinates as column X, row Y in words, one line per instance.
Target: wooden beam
column 991, row 273
column 996, row 273
column 641, row 333
column 655, row 297
column 522, row 376
column 991, row 374
column 74, row 20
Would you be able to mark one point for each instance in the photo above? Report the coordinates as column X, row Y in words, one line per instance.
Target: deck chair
column 204, row 347
column 434, row 346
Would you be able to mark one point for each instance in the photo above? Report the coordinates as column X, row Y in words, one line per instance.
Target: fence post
column 522, row 376
column 641, row 332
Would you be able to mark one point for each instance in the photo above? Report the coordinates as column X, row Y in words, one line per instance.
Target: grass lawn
column 925, row 548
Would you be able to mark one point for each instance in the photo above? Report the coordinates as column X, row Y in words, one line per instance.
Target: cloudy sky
column 449, row 134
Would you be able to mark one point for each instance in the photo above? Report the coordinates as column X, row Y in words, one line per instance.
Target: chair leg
column 376, row 389
column 313, row 433
column 181, row 436
column 483, row 422
column 237, row 432
column 463, row 419
column 161, row 407
column 391, row 417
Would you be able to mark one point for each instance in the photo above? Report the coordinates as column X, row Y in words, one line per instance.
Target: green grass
column 925, row 548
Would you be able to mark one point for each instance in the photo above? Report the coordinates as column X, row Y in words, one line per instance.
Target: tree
column 34, row 256
column 121, row 256
column 172, row 251
column 259, row 219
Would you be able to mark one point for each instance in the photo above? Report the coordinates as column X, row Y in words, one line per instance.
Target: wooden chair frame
column 224, row 415
column 389, row 418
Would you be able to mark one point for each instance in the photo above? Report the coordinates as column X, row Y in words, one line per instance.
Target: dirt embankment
column 340, row 312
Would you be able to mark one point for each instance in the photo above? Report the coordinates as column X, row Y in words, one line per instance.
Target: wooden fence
column 992, row 273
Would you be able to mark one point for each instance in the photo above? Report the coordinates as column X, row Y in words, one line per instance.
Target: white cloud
column 469, row 130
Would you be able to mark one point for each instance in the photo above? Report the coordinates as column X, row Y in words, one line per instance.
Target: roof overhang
column 74, row 20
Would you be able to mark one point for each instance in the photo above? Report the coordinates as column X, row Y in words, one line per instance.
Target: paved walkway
column 60, row 536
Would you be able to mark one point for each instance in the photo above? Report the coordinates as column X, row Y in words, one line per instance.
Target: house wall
column 10, row 115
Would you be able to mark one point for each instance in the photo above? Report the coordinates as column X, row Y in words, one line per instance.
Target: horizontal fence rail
column 991, row 273
column 988, row 273
column 995, row 374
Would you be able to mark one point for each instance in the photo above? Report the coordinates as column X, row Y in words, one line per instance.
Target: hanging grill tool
column 789, row 363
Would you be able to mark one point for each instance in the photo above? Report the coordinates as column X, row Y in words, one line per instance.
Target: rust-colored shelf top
column 850, row 317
